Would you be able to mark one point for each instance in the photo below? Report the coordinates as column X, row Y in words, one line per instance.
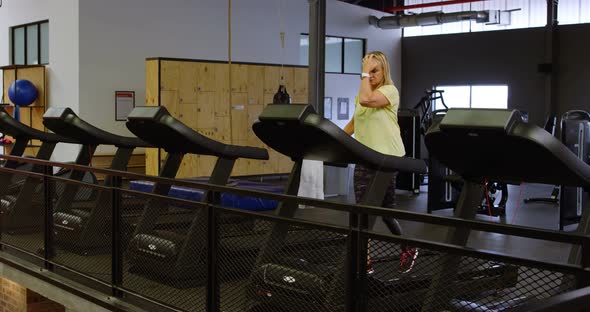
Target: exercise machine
column 461, row 141
column 180, row 251
column 296, row 283
column 86, row 229
column 19, row 192
column 444, row 186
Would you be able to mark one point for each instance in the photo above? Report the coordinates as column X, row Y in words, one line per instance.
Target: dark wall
column 500, row 57
column 574, row 68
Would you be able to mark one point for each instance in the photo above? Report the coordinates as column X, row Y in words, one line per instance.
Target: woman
column 375, row 125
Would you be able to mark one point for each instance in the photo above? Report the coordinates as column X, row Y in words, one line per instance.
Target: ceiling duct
column 490, row 17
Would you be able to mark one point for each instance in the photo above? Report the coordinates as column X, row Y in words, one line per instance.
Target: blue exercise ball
column 22, row 92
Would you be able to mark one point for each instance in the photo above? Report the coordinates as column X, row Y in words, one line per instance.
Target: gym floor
column 536, row 215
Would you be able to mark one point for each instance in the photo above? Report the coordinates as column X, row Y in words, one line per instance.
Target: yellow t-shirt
column 377, row 128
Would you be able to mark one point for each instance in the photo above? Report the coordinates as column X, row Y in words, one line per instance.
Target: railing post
column 48, row 251
column 116, row 232
column 352, row 264
column 363, row 256
column 213, row 291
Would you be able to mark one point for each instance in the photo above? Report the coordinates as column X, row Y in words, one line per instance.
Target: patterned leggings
column 362, row 179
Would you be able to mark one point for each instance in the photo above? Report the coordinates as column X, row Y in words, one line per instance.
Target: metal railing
column 182, row 255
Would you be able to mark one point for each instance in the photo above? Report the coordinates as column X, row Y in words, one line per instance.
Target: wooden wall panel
column 206, row 76
column 255, row 85
column 239, row 78
column 299, row 92
column 31, row 115
column 152, row 85
column 239, row 117
column 7, row 79
column 152, row 98
column 36, row 75
column 170, row 75
column 206, row 109
column 188, row 166
column 198, row 94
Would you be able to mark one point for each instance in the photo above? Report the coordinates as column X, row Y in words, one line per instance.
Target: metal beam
column 551, row 58
column 317, row 48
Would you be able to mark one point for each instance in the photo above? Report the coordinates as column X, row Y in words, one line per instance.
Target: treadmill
column 18, row 191
column 180, row 250
column 88, row 228
column 293, row 283
column 461, row 141
column 183, row 252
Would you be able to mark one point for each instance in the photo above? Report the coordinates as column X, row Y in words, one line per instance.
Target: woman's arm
column 369, row 98
column 349, row 128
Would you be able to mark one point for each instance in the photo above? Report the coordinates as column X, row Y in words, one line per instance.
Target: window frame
column 39, row 46
column 342, row 52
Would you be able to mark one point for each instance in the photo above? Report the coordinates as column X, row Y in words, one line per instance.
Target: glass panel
column 333, row 55
column 538, row 13
column 45, row 43
column 304, row 50
column 32, row 44
column 18, row 49
column 568, row 12
column 584, row 11
column 353, row 56
column 454, row 96
column 518, row 19
column 489, row 97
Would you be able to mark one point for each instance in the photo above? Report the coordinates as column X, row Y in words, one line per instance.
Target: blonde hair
column 382, row 60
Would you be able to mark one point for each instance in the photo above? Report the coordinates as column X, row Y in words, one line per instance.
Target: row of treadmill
column 302, row 279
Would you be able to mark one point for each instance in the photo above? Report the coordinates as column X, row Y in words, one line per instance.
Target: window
column 573, row 12
column 473, row 96
column 342, row 55
column 30, row 43
column 528, row 13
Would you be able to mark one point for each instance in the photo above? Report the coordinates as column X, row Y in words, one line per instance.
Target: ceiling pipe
column 426, row 5
column 490, row 17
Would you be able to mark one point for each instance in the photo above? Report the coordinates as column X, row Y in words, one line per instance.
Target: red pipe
column 425, row 5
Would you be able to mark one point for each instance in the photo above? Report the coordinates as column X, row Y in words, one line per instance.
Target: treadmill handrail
column 65, row 122
column 193, row 142
column 333, row 145
column 16, row 129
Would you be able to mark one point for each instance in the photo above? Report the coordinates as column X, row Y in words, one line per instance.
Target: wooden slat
column 206, row 109
column 169, row 75
column 188, row 167
column 151, row 161
column 239, row 78
column 187, row 91
column 239, row 117
column 206, row 76
column 255, row 85
column 299, row 92
column 7, row 80
column 152, row 90
column 206, row 164
column 187, row 114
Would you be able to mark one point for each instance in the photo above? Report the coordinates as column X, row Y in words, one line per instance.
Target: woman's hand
column 369, row 63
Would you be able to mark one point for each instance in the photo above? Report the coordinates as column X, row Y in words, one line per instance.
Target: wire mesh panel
column 468, row 283
column 22, row 211
column 82, row 227
column 164, row 257
column 279, row 265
